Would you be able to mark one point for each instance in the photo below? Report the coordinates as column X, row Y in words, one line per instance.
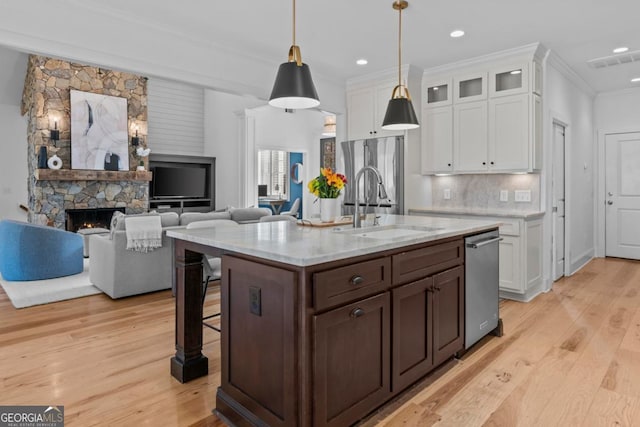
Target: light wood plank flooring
column 569, row 358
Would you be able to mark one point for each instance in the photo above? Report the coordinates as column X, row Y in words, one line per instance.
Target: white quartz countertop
column 478, row 212
column 290, row 243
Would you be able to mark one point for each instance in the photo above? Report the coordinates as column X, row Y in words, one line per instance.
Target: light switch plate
column 447, row 194
column 523, row 195
column 504, row 195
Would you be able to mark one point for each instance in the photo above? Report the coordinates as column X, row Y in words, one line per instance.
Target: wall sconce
column 135, row 140
column 54, row 134
column 329, row 127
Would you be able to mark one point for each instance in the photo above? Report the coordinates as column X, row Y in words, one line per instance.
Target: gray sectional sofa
column 119, row 272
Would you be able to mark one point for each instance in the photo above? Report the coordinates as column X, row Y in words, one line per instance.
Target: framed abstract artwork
column 99, row 132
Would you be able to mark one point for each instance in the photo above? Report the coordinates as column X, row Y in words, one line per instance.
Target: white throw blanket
column 144, row 233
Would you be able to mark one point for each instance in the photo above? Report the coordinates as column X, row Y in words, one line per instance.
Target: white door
column 558, row 201
column 622, row 198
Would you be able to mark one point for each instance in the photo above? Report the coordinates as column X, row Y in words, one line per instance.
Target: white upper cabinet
column 360, row 121
column 366, row 108
column 470, row 137
column 494, row 116
column 437, row 152
column 509, row 133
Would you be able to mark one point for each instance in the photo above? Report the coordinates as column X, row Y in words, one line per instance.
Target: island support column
column 189, row 362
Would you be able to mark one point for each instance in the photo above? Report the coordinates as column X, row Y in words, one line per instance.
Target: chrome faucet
column 382, row 193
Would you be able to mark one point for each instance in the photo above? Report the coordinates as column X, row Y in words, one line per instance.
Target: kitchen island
column 321, row 326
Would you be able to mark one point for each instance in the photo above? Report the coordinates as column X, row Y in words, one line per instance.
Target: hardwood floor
column 569, row 358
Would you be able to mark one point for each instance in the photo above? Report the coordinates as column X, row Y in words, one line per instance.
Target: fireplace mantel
column 90, row 175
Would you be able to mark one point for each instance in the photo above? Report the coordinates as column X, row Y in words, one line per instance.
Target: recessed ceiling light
column 457, row 33
column 635, row 80
column 620, row 49
column 362, row 61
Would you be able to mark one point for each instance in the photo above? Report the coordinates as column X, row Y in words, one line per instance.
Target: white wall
column 618, row 111
column 13, row 142
column 298, row 132
column 13, row 163
column 224, row 140
column 615, row 112
column 569, row 100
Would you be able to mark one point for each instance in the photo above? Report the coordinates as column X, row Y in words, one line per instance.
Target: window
column 273, row 167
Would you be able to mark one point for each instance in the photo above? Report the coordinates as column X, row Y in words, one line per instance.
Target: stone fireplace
column 45, row 101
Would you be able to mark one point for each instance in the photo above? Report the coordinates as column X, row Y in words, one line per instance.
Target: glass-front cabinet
column 438, row 93
column 470, row 88
column 509, row 80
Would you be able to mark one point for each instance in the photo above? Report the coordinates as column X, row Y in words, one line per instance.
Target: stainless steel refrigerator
column 386, row 155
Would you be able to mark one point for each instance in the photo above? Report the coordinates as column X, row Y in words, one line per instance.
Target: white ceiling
column 332, row 34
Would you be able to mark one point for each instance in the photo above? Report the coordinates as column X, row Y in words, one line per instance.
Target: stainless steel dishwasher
column 481, row 290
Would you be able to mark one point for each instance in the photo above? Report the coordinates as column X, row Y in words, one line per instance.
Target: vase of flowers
column 327, row 187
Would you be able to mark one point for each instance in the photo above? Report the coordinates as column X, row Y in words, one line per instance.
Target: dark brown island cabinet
column 328, row 344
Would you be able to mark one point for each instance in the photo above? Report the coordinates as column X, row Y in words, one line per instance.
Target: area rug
column 35, row 292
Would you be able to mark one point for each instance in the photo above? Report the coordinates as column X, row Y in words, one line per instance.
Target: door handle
column 357, row 312
column 483, row 243
column 356, row 280
column 609, row 202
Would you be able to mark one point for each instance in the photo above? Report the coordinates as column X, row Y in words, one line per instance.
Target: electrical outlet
column 255, row 301
column 523, row 195
column 447, row 194
column 504, row 195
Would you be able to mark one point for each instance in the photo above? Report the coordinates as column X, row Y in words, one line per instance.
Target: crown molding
column 531, row 51
column 554, row 60
column 387, row 74
column 619, row 92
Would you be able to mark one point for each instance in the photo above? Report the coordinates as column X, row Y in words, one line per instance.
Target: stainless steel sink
column 389, row 232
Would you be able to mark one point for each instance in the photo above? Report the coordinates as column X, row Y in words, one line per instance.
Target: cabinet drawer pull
column 437, row 288
column 356, row 280
column 357, row 312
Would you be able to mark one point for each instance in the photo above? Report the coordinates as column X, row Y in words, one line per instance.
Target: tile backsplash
column 483, row 191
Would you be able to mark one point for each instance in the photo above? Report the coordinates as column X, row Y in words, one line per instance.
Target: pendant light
column 400, row 113
column 294, row 87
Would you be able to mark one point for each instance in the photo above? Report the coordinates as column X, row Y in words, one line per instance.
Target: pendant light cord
column 294, row 22
column 399, row 44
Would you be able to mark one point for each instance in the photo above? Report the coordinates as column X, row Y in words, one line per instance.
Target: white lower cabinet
column 510, row 264
column 520, row 276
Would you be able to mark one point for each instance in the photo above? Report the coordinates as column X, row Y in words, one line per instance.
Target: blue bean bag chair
column 36, row 252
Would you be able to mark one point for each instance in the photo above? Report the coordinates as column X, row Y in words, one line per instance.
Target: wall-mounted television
column 179, row 182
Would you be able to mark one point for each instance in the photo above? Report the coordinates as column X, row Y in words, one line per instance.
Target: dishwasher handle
column 483, row 243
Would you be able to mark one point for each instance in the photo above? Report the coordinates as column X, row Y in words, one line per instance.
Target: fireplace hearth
column 89, row 218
